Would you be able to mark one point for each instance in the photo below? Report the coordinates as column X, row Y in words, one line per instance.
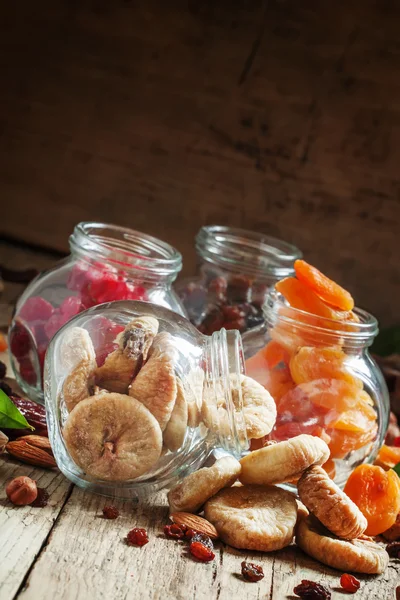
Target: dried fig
column 175, row 430
column 122, row 365
column 79, row 359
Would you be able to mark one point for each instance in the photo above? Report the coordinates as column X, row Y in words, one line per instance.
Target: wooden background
column 281, row 117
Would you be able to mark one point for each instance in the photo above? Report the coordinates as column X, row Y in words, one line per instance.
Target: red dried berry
column 36, row 309
column 189, row 534
column 203, row 539
column 393, row 549
column 201, row 552
column 252, row 572
column 396, row 441
column 398, row 592
column 349, row 583
column 110, row 512
column 174, row 531
column 41, row 498
column 137, row 537
column 309, row 590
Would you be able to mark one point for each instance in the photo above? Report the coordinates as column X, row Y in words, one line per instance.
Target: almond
column 198, row 524
column 30, row 454
column 38, row 441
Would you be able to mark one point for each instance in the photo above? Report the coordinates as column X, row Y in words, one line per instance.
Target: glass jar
column 201, row 366
column 323, row 380
column 237, row 269
column 107, row 263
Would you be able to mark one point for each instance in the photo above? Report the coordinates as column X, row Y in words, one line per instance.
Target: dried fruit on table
column 310, row 590
column 175, row 531
column 349, row 583
column 22, row 491
column 388, row 457
column 325, row 288
column 110, row 512
column 137, row 537
column 34, row 413
column 251, row 572
column 201, row 547
column 190, row 521
column 79, row 358
column 377, row 494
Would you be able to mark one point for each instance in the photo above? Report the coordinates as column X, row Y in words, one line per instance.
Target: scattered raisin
column 349, row 583
column 203, row 539
column 6, row 388
column 398, row 592
column 137, row 537
column 252, row 572
column 3, row 370
column 201, row 552
column 189, row 534
column 175, row 532
column 110, row 512
column 393, row 549
column 309, row 590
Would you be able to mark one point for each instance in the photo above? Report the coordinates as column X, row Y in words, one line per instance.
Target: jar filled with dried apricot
column 312, row 356
column 107, row 263
column 236, row 269
column 162, row 397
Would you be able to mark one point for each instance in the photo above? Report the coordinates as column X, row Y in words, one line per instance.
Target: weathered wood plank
column 86, row 557
column 24, row 530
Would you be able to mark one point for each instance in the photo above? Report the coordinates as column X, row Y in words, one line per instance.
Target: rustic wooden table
column 68, row 551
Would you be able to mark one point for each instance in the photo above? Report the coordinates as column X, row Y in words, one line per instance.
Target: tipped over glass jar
column 160, row 399
column 323, row 380
column 237, row 268
column 107, row 263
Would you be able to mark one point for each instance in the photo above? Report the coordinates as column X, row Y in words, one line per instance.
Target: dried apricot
column 330, row 468
column 320, row 363
column 342, row 442
column 300, row 296
column 279, row 383
column 274, row 354
column 335, row 394
column 388, row 457
column 324, row 288
column 377, row 494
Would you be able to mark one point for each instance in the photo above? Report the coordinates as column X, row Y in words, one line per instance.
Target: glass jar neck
column 141, row 256
column 249, row 252
column 223, row 367
column 289, row 325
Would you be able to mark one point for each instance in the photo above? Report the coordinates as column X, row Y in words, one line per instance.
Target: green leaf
column 10, row 416
column 397, row 469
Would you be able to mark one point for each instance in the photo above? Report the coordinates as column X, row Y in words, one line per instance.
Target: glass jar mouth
column 241, row 250
column 126, row 248
column 360, row 333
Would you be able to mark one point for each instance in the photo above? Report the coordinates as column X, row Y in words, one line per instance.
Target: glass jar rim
column 126, row 248
column 242, row 250
column 357, row 333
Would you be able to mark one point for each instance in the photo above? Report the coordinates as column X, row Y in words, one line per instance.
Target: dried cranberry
column 56, row 321
column 189, row 534
column 77, row 277
column 252, row 572
column 349, row 583
column 36, row 309
column 110, row 512
column 393, row 549
column 396, row 442
column 309, row 590
column 175, row 532
column 71, row 306
column 137, row 537
column 27, row 371
column 3, row 370
column 201, row 551
column 41, row 498
column 20, row 341
column 213, row 321
column 239, row 289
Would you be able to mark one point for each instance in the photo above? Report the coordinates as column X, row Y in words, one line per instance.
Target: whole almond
column 38, row 441
column 198, row 524
column 30, row 454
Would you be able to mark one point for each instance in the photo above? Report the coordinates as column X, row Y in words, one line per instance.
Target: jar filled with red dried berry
column 237, row 269
column 164, row 397
column 107, row 263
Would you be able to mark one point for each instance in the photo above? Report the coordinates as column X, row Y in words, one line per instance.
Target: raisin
column 200, row 551
column 110, row 512
column 309, row 590
column 137, row 537
column 252, row 572
column 398, row 592
column 349, row 583
column 41, row 498
column 6, row 388
column 203, row 539
column 393, row 549
column 396, row 441
column 175, row 532
column 239, row 289
column 189, row 534
column 3, row 370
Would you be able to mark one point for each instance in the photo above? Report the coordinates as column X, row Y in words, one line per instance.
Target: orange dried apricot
column 353, row 420
column 300, row 296
column 342, row 442
column 320, row 363
column 330, row 468
column 388, row 457
column 326, row 289
column 333, row 394
column 274, row 354
column 377, row 494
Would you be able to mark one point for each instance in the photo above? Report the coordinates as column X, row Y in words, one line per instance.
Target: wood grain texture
column 280, row 117
column 25, row 529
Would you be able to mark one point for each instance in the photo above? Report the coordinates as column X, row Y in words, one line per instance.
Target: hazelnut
column 22, row 491
column 3, row 442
